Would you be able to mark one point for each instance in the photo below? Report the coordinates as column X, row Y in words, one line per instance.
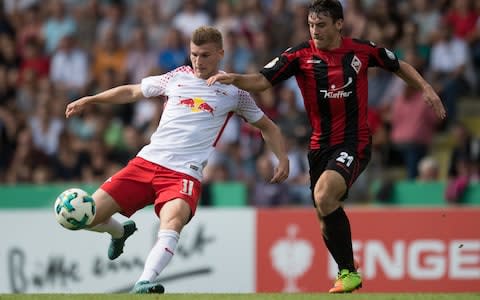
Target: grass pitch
column 392, row 296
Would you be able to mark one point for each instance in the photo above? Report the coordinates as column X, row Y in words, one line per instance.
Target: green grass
column 393, row 296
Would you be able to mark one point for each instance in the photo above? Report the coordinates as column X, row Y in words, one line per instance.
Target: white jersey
column 193, row 118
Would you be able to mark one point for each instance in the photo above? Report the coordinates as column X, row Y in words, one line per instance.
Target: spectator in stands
column 151, row 22
column 34, row 60
column 355, row 19
column 265, row 194
column 115, row 16
column 237, row 52
column 190, row 17
column 427, row 19
column 141, row 60
column 29, row 27
column 8, row 128
column 87, row 15
column 462, row 18
column 174, row 54
column 46, row 129
column 428, row 170
column 298, row 178
column 7, row 89
column 67, row 164
column 466, row 148
column 475, row 49
column 70, row 68
column 25, row 159
column 457, row 185
column 253, row 18
column 279, row 25
column 292, row 120
column 448, row 71
column 9, row 58
column 58, row 25
column 109, row 54
column 412, row 138
column 226, row 20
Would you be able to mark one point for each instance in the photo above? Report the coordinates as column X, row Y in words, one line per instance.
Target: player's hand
column 75, row 107
column 224, row 78
column 434, row 101
column 281, row 171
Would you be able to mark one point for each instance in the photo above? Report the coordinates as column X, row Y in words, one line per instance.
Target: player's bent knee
column 175, row 224
column 326, row 207
column 174, row 215
column 326, row 201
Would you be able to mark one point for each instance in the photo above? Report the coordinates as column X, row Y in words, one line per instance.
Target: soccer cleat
column 346, row 282
column 116, row 245
column 147, row 287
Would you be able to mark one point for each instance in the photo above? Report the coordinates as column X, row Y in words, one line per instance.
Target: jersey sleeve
column 154, row 86
column 383, row 58
column 282, row 67
column 247, row 108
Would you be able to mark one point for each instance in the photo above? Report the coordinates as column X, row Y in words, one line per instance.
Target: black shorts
column 346, row 160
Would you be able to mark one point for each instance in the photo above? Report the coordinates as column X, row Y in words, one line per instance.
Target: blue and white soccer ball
column 74, row 209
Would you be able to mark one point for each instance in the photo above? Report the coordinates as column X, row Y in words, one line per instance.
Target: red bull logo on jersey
column 197, row 105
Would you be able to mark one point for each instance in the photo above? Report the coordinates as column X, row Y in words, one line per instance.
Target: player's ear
column 221, row 52
column 339, row 24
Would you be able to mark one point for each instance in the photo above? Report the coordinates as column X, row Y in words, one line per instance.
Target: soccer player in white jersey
column 168, row 171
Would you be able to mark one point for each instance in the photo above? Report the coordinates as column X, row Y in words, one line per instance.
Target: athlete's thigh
column 175, row 214
column 348, row 162
column 332, row 184
column 106, row 206
column 170, row 185
column 334, row 170
column 131, row 187
column 317, row 161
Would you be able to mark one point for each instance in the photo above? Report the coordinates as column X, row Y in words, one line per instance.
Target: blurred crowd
column 55, row 51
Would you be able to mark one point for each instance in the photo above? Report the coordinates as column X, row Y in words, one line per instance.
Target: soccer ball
column 74, row 209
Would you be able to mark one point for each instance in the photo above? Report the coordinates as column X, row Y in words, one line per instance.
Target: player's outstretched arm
column 414, row 79
column 248, row 82
column 116, row 95
column 274, row 139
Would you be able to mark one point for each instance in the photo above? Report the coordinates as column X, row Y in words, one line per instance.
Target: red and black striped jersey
column 334, row 87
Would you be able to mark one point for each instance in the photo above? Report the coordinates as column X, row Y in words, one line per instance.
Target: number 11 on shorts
column 187, row 187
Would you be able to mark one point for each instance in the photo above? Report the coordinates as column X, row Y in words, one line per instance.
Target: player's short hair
column 207, row 34
column 330, row 8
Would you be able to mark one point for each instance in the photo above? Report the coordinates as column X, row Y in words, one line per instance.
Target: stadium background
column 54, row 51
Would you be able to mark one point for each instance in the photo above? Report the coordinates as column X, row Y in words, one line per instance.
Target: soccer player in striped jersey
column 331, row 71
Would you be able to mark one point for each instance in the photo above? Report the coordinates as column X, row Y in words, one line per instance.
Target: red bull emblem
column 187, row 102
column 197, row 105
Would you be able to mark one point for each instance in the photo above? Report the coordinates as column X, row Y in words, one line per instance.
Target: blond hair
column 207, row 34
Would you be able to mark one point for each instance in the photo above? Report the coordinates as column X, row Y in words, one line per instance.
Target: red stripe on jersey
column 337, row 105
column 230, row 114
column 309, row 90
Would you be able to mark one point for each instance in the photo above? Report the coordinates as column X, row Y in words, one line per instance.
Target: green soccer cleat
column 346, row 282
column 116, row 245
column 147, row 287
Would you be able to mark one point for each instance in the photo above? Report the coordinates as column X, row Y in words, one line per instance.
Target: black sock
column 338, row 238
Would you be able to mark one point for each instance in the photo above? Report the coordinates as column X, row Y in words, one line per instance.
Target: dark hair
column 207, row 34
column 330, row 8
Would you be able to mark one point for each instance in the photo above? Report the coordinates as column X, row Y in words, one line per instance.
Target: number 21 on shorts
column 187, row 187
column 345, row 158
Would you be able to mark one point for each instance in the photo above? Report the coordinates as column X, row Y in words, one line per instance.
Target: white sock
column 160, row 255
column 112, row 226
